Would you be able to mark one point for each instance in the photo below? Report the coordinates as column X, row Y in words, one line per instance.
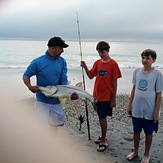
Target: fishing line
column 81, row 55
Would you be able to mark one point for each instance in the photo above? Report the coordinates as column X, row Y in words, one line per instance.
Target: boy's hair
column 102, row 45
column 149, row 52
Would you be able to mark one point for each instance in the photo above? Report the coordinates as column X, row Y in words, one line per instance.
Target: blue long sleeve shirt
column 48, row 71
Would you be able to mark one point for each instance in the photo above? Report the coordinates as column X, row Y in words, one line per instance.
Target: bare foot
column 145, row 159
column 131, row 156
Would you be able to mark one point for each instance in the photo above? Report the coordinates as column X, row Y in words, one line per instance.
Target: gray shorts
column 52, row 114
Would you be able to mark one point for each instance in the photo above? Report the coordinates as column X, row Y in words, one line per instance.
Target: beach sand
column 25, row 140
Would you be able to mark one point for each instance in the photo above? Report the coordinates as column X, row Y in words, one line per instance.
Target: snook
column 64, row 91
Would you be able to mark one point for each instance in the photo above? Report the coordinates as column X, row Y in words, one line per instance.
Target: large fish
column 64, row 91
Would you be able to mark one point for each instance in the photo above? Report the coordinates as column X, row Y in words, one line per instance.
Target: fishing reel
column 81, row 119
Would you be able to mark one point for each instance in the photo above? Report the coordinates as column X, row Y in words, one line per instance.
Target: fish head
column 48, row 90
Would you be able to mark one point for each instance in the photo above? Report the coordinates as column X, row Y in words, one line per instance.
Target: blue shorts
column 104, row 109
column 147, row 125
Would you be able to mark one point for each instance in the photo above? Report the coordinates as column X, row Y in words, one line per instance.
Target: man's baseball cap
column 57, row 41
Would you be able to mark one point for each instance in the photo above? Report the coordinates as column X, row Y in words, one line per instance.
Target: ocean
column 17, row 54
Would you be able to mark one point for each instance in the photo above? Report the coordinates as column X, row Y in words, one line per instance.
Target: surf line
column 86, row 105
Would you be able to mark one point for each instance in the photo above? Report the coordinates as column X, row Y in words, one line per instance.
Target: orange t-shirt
column 105, row 73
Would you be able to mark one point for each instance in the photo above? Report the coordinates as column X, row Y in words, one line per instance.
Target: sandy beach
column 25, row 140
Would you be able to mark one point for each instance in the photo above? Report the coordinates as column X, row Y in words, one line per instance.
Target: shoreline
column 12, row 80
column 14, row 76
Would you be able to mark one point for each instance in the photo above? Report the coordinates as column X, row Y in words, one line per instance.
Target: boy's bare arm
column 157, row 106
column 113, row 101
column 129, row 109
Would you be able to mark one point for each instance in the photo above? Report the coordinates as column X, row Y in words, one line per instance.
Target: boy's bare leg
column 148, row 142
column 103, row 124
column 103, row 145
column 134, row 154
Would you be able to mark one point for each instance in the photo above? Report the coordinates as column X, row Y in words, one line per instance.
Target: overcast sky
column 111, row 19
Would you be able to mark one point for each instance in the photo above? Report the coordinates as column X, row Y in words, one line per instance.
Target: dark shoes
column 98, row 140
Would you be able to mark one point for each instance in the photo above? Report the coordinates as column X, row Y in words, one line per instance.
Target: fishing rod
column 81, row 55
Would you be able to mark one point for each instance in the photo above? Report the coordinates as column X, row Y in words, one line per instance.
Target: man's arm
column 27, row 82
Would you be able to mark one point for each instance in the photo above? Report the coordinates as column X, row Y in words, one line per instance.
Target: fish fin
column 80, row 85
column 62, row 100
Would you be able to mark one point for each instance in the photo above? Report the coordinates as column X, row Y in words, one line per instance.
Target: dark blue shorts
column 104, row 109
column 147, row 125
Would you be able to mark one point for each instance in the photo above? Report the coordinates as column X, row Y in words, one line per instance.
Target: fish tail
column 94, row 105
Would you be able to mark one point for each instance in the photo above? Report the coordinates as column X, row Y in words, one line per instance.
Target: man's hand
column 34, row 89
column 74, row 96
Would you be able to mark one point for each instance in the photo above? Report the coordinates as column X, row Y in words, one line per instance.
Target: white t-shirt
column 146, row 87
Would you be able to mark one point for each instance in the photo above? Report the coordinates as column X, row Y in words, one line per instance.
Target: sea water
column 17, row 54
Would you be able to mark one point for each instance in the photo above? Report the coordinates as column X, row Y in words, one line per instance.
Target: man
column 49, row 69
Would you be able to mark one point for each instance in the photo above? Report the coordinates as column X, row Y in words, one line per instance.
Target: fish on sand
column 65, row 91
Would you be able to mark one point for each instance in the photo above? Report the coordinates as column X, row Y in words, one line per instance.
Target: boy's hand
column 113, row 103
column 129, row 110
column 83, row 64
column 156, row 118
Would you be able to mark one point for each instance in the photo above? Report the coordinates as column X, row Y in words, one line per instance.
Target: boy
column 145, row 101
column 107, row 72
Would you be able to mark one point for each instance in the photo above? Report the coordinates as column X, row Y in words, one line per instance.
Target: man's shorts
column 147, row 125
column 52, row 114
column 104, row 109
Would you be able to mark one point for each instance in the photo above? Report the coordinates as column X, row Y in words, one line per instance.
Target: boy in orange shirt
column 106, row 71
